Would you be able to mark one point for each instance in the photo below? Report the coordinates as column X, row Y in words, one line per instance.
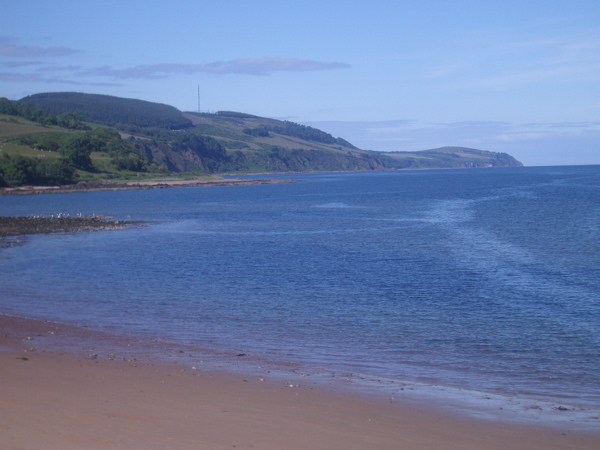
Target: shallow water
column 482, row 280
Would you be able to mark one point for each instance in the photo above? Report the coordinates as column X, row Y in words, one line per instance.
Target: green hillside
column 257, row 144
column 449, row 158
column 62, row 138
column 292, row 147
column 109, row 110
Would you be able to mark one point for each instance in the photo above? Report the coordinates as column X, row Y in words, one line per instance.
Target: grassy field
column 11, row 126
column 12, row 129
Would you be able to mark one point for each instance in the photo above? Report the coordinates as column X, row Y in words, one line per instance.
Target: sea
column 478, row 289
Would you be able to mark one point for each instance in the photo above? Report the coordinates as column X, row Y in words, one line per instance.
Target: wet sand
column 62, row 389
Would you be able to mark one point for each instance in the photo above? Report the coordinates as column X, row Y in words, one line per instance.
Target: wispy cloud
column 32, row 78
column 545, row 131
column 19, row 77
column 9, row 47
column 576, row 71
column 245, row 66
column 79, row 75
column 509, row 58
column 59, row 69
column 13, row 64
column 566, row 60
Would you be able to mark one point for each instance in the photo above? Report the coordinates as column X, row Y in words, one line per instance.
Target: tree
column 30, row 112
column 48, row 142
column 7, row 107
column 54, row 172
column 261, row 131
column 131, row 161
column 77, row 151
column 72, row 121
column 19, row 170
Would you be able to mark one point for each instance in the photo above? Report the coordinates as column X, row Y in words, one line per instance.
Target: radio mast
column 198, row 98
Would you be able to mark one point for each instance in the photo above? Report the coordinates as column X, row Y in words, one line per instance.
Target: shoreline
column 133, row 185
column 66, row 386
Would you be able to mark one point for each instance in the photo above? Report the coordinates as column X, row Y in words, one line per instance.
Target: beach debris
column 536, row 407
column 241, row 354
column 561, row 408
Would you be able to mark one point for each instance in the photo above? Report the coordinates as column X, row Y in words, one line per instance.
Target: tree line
column 296, row 130
column 70, row 120
column 110, row 111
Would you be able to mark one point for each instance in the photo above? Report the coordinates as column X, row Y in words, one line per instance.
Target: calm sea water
column 484, row 280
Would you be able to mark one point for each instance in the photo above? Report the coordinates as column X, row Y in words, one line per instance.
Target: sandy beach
column 61, row 389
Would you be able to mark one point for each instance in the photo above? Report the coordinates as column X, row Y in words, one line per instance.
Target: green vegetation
column 307, row 133
column 30, row 112
column 20, row 170
column 259, row 144
column 448, row 158
column 62, row 138
column 64, row 151
column 121, row 113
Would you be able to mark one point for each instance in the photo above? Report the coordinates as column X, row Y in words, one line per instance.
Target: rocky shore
column 105, row 186
column 16, row 226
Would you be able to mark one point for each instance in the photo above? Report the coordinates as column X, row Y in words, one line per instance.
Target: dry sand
column 57, row 399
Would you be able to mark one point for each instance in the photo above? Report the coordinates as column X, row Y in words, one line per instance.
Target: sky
column 514, row 76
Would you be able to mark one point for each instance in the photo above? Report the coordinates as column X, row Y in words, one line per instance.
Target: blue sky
column 521, row 77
